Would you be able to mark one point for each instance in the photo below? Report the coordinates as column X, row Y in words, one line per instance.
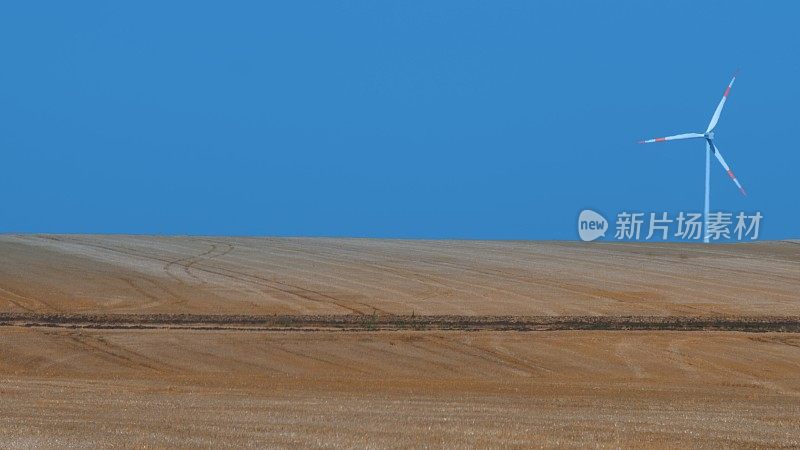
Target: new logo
column 591, row 225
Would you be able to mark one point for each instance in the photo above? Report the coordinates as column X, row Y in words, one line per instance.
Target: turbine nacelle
column 709, row 135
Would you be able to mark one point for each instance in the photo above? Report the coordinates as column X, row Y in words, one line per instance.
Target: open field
column 207, row 342
column 142, row 274
column 204, row 388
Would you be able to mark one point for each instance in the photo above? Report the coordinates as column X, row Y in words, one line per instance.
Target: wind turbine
column 710, row 147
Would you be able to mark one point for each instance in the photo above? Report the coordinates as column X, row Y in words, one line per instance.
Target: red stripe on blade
column 727, row 91
column 661, row 139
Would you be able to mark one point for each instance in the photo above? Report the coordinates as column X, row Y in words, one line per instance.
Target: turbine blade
column 727, row 169
column 674, row 138
column 715, row 117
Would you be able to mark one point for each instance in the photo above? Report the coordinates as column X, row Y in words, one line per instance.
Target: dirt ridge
column 356, row 322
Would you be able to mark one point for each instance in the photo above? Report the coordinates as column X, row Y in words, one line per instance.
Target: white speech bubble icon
column 591, row 225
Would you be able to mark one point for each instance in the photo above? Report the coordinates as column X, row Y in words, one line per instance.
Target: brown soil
column 208, row 342
column 145, row 275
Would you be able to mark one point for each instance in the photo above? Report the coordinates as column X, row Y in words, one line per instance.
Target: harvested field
column 207, row 342
column 206, row 388
column 148, row 275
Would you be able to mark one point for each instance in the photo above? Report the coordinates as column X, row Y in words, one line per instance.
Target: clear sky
column 424, row 119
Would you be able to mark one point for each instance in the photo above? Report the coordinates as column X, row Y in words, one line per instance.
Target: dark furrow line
column 386, row 322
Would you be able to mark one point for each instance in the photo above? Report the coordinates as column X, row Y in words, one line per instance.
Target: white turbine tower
column 709, row 137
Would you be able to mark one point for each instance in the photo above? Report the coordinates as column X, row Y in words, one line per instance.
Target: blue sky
column 434, row 119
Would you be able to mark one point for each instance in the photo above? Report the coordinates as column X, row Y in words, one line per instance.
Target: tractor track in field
column 387, row 322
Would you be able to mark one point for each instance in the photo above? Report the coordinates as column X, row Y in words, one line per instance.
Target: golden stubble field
column 63, row 386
